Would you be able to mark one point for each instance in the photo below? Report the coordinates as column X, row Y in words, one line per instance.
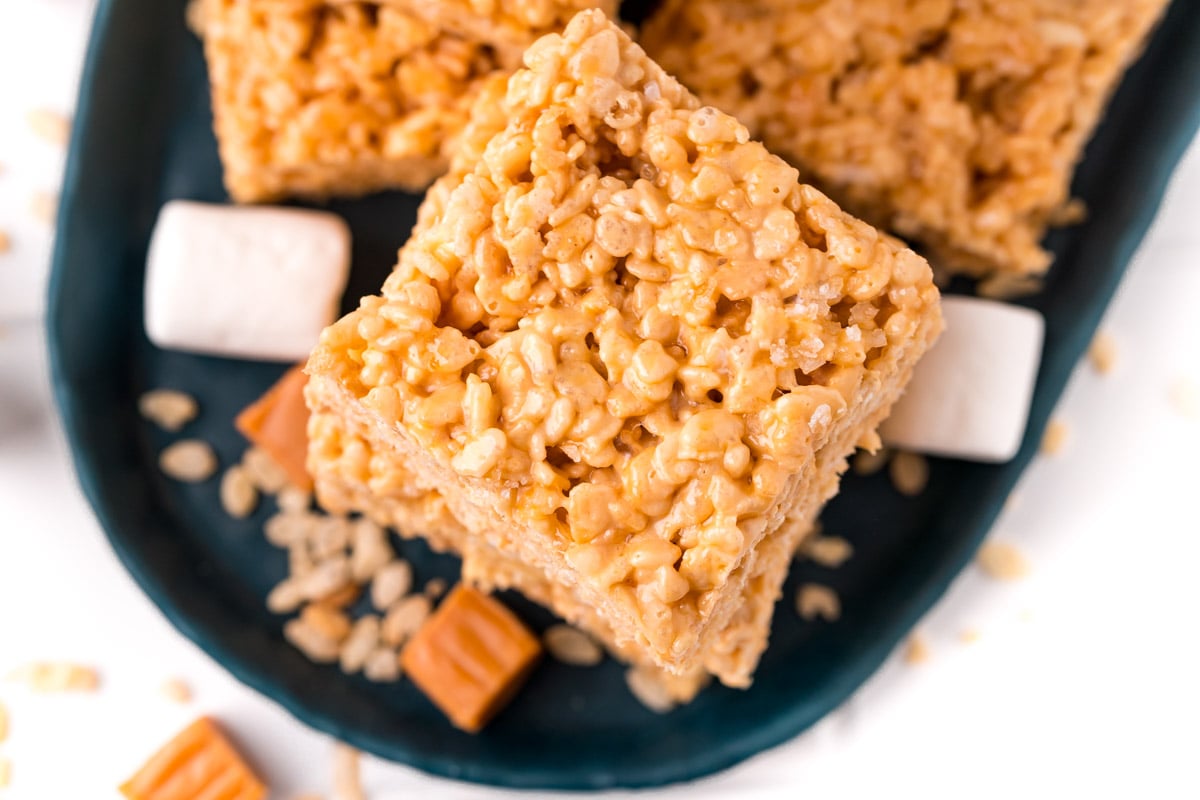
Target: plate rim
column 782, row 728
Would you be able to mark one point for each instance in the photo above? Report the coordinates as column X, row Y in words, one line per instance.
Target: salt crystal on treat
column 969, row 397
column 257, row 283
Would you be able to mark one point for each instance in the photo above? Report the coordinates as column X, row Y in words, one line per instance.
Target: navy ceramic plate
column 143, row 136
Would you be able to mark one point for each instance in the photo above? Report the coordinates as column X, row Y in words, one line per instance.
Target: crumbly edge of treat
column 293, row 119
column 1081, row 60
column 810, row 407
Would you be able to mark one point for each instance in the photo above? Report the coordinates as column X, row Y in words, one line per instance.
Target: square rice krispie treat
column 956, row 123
column 316, row 99
column 632, row 347
column 508, row 26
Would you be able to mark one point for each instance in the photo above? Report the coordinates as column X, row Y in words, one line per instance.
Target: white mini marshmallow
column 246, row 282
column 969, row 397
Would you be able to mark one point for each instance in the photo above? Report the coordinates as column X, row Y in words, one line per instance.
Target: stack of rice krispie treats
column 319, row 98
column 954, row 123
column 622, row 359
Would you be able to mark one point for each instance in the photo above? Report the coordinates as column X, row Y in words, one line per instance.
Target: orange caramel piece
column 278, row 423
column 471, row 657
column 198, row 763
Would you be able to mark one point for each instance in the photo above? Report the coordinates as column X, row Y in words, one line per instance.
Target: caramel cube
column 277, row 422
column 198, row 762
column 471, row 657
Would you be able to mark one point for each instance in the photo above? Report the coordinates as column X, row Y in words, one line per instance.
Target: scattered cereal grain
column 176, row 691
column 287, row 595
column 326, row 578
column 1008, row 286
column 44, row 206
column 1002, row 561
column 300, row 559
column 50, row 126
column 5, row 242
column 969, row 636
column 1054, row 440
column 909, row 473
column 311, row 642
column 262, row 469
column 1103, row 353
column 867, row 463
column 435, row 588
column 330, row 536
column 239, row 496
column 3, row 723
column 343, row 597
column 572, row 646
column 369, row 551
column 405, row 618
column 169, row 409
column 5, row 772
column 362, row 641
column 814, row 600
column 294, row 500
column 347, row 778
column 391, row 583
column 649, row 690
column 1185, row 398
column 56, row 676
column 828, row 551
column 382, row 666
column 189, row 460
column 329, row 622
column 917, row 650
column 285, row 530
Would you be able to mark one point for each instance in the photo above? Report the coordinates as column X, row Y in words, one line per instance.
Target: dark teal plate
column 143, row 137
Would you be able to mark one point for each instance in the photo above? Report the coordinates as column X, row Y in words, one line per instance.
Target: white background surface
column 1083, row 683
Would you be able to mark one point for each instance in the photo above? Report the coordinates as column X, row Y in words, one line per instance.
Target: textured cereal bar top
column 628, row 338
column 315, row 99
column 956, row 123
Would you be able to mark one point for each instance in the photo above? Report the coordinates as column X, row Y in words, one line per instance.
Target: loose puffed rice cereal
column 370, row 550
column 263, row 471
column 435, row 588
column 956, row 123
column 5, row 772
column 5, row 242
column 239, row 497
column 1002, row 561
column 649, row 690
column 969, row 636
column 382, row 665
column 632, row 344
column 814, row 601
column 359, row 644
column 44, row 206
column 3, row 722
column 189, row 460
column 56, row 676
column 176, row 691
column 314, row 644
column 327, row 620
column 909, row 473
column 405, row 618
column 917, row 650
column 1055, row 439
column 828, row 551
column 390, row 583
column 169, row 409
column 571, row 646
column 867, row 463
column 342, row 98
column 1103, row 353
column 50, row 126
column 347, row 778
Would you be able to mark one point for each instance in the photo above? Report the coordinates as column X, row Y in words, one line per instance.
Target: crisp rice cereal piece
column 814, row 601
column 239, row 497
column 44, row 206
column 315, row 645
column 909, row 473
column 5, row 242
column 1103, row 353
column 571, row 646
column 828, row 551
column 390, row 583
column 262, row 469
column 435, row 588
column 359, row 644
column 294, row 500
column 917, row 650
column 969, row 636
column 547, row 350
column 1002, row 561
column 405, row 618
column 866, row 463
column 50, row 126
column 347, row 777
column 56, row 676
column 382, row 665
column 1009, row 287
column 3, row 722
column 169, row 409
column 188, row 460
column 326, row 620
column 649, row 690
column 5, row 772
column 176, row 691
column 1055, row 439
column 370, row 550
column 1185, row 398
column 345, row 98
column 956, row 124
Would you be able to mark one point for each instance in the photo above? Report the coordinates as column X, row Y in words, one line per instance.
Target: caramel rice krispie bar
column 956, row 123
column 631, row 348
column 339, row 97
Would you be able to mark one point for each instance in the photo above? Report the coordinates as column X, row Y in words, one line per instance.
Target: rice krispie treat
column 632, row 346
column 316, row 98
column 508, row 26
column 956, row 123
